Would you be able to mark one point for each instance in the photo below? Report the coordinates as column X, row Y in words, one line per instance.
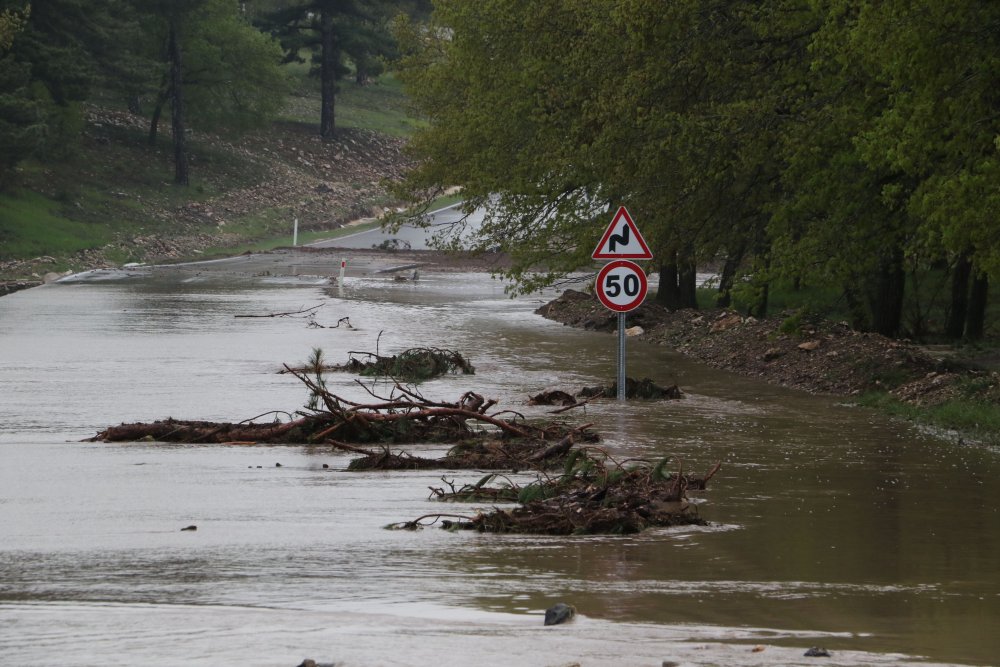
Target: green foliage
column 341, row 36
column 659, row 470
column 531, row 492
column 827, row 143
column 414, row 364
column 557, row 112
column 231, row 72
column 314, row 366
column 32, row 225
column 233, row 75
column 22, row 129
column 12, row 22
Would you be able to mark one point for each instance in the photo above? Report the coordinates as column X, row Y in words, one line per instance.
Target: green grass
column 305, row 238
column 380, row 105
column 926, row 301
column 32, row 225
column 977, row 420
column 106, row 191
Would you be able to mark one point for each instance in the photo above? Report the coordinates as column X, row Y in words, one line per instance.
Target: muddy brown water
column 830, row 525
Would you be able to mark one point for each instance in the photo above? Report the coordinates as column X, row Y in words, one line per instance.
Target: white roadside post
column 621, row 285
column 295, row 233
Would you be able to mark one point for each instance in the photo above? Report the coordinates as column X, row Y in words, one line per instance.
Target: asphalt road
column 408, row 237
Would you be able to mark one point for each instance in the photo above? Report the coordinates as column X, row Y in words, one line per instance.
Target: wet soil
column 818, row 356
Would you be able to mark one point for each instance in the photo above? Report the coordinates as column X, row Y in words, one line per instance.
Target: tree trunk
column 886, row 300
column 687, row 282
column 668, row 293
column 135, row 105
column 725, row 298
column 856, row 307
column 958, row 312
column 328, row 75
column 154, row 122
column 676, row 289
column 977, row 307
column 177, row 108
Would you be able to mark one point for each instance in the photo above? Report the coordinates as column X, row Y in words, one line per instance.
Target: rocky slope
column 324, row 184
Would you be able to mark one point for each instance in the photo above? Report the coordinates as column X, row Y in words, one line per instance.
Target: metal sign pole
column 621, row 285
column 621, row 356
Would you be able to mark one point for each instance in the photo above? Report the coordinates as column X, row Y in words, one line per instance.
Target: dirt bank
column 817, row 356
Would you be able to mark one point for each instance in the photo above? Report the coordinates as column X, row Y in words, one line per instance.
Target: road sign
column 621, row 285
column 622, row 240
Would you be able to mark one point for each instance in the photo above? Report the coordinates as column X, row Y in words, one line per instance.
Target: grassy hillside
column 112, row 199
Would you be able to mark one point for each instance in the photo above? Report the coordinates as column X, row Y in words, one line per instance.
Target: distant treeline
column 205, row 63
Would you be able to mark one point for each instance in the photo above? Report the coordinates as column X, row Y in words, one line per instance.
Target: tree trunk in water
column 960, row 275
column 886, row 301
column 328, row 75
column 977, row 307
column 177, row 109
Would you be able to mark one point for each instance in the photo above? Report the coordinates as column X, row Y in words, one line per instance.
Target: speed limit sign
column 621, row 285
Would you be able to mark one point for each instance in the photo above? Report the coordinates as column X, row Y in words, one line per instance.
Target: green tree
column 11, row 22
column 333, row 31
column 216, row 69
column 940, row 64
column 816, row 142
column 22, row 127
column 64, row 49
column 554, row 113
column 893, row 166
column 53, row 47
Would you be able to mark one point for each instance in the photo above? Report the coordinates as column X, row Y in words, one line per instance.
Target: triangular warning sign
column 622, row 240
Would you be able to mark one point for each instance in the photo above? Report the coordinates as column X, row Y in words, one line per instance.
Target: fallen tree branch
column 288, row 314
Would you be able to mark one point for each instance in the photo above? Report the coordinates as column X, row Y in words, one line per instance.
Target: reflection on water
column 830, row 525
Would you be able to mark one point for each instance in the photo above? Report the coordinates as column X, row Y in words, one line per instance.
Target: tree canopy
column 332, row 32
column 834, row 142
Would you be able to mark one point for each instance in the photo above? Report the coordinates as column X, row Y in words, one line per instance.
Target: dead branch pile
column 593, row 496
column 644, row 388
column 507, row 492
column 413, row 365
column 533, row 453
column 552, row 397
column 501, row 440
column 176, row 430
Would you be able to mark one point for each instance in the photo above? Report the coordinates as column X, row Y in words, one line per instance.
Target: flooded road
column 830, row 525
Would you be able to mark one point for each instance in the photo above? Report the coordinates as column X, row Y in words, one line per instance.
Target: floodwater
column 830, row 525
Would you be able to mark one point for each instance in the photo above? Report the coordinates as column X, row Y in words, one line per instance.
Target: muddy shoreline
column 817, row 356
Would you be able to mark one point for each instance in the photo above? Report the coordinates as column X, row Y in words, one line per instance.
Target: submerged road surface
column 830, row 525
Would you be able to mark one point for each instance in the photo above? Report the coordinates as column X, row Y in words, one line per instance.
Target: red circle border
column 643, row 289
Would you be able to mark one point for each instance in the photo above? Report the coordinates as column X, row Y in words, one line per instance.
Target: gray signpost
column 621, row 285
